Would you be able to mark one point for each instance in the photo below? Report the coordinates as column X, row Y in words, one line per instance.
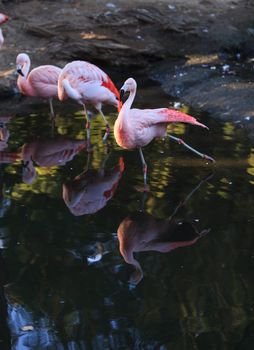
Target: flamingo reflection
column 143, row 232
column 43, row 152
column 91, row 190
column 46, row 153
column 4, row 132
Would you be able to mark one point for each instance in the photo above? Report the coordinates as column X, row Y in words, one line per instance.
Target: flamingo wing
column 44, row 80
column 79, row 72
column 141, row 126
column 151, row 117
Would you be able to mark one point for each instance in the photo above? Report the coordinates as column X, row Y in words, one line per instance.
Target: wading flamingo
column 135, row 128
column 86, row 83
column 3, row 19
column 40, row 82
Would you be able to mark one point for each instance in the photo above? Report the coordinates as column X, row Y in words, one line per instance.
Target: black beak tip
column 19, row 71
column 121, row 94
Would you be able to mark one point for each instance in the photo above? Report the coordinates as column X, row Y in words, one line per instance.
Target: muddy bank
column 200, row 50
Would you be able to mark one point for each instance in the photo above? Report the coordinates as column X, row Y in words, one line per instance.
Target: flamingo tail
column 180, row 117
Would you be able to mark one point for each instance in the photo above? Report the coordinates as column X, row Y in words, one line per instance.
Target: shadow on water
column 68, row 283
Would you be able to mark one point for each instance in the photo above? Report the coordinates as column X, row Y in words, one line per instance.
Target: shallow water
column 66, row 284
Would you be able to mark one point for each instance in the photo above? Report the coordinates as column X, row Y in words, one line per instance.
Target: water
column 66, row 284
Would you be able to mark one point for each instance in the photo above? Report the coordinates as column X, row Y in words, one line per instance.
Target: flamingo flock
column 134, row 128
column 86, row 83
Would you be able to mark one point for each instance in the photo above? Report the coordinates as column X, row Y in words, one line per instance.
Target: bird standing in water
column 135, row 128
column 40, row 82
column 86, row 83
column 3, row 19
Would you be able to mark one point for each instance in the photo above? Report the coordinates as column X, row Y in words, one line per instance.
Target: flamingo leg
column 181, row 142
column 52, row 113
column 88, row 129
column 107, row 125
column 52, row 116
column 88, row 161
column 144, row 168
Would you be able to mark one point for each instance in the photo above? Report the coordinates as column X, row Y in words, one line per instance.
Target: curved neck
column 23, row 83
column 128, row 103
column 128, row 255
column 26, row 68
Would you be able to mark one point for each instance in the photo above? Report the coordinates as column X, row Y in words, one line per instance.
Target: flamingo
column 86, row 83
column 135, row 128
column 3, row 19
column 90, row 191
column 40, row 82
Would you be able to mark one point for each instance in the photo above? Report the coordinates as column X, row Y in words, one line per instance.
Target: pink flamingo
column 135, row 128
column 86, row 83
column 3, row 19
column 90, row 191
column 40, row 82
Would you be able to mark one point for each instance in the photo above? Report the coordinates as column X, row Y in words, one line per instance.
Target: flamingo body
column 136, row 128
column 87, row 83
column 40, row 82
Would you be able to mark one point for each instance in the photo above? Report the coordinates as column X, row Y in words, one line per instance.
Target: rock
column 224, row 96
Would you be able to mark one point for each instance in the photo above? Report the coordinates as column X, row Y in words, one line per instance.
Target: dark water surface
column 64, row 282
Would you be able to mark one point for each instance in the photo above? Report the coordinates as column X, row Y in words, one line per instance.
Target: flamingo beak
column 122, row 92
column 19, row 70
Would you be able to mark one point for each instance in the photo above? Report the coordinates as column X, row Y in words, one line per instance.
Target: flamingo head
column 129, row 85
column 3, row 18
column 21, row 61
